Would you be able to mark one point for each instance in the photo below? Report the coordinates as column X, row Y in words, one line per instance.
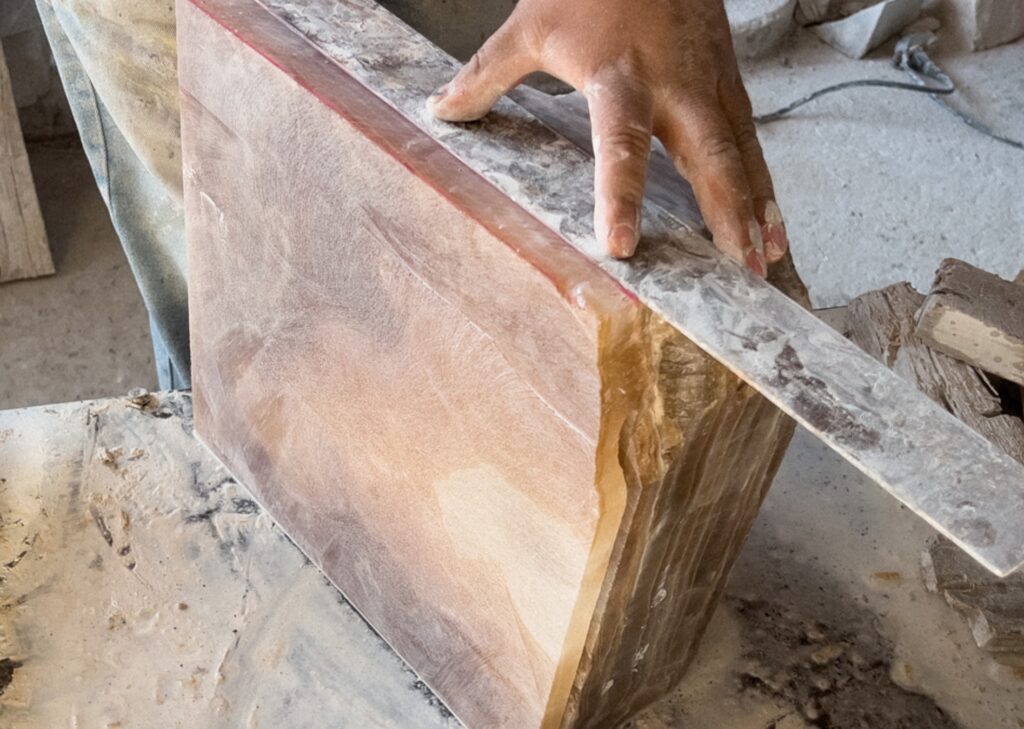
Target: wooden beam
column 883, row 324
column 977, row 317
column 530, row 484
column 24, row 249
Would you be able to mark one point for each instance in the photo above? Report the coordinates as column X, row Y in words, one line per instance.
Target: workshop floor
column 826, row 622
column 84, row 332
column 878, row 186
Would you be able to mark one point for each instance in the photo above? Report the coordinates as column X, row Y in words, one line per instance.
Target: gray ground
column 878, row 186
column 83, row 333
column 827, row 623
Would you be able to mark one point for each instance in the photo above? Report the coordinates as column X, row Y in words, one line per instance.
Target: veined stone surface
column 363, row 297
column 829, row 385
column 524, row 478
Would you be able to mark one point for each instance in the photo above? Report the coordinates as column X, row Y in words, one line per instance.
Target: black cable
column 779, row 113
column 916, row 62
column 911, row 57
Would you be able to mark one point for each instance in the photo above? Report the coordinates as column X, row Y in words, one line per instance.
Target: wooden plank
column 525, row 479
column 977, row 317
column 883, row 323
column 24, row 249
column 855, row 405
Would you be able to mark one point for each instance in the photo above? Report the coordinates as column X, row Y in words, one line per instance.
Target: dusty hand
column 665, row 67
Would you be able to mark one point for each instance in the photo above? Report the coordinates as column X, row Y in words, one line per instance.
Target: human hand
column 662, row 67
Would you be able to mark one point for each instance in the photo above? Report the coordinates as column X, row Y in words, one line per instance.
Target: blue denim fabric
column 117, row 61
column 147, row 216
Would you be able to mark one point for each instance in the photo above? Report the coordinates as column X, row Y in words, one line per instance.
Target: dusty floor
column 84, row 332
column 877, row 187
column 194, row 610
column 827, row 624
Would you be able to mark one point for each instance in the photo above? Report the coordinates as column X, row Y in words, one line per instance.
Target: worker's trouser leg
column 117, row 59
column 126, row 111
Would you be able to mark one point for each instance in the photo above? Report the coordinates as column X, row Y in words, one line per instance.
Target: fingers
column 497, row 67
column 621, row 119
column 736, row 105
column 700, row 139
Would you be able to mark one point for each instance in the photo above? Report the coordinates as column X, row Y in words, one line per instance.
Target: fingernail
column 438, row 96
column 755, row 261
column 622, row 241
column 754, row 230
column 776, row 242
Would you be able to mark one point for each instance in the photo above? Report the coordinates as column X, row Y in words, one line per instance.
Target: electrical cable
column 911, row 56
column 779, row 113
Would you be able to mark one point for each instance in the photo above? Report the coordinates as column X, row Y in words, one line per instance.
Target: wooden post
column 527, row 481
column 977, row 317
column 24, row 250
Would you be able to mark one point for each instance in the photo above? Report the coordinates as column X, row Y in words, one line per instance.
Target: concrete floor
column 826, row 622
column 878, row 186
column 82, row 333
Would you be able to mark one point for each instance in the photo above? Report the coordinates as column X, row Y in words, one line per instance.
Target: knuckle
column 746, row 136
column 479, row 62
column 500, row 47
column 734, row 97
column 627, row 205
column 627, row 195
column 718, row 144
column 741, row 102
column 631, row 141
column 531, row 33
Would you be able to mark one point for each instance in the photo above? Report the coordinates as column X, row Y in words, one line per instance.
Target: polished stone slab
column 954, row 479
